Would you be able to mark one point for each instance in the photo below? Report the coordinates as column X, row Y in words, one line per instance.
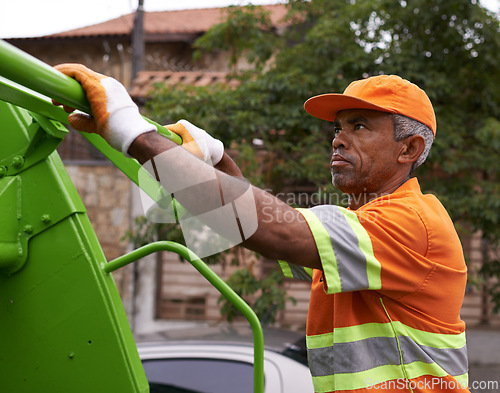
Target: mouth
column 338, row 160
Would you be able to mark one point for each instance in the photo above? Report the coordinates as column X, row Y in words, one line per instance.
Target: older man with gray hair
column 388, row 273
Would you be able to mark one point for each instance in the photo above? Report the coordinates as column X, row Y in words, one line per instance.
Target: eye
column 336, row 130
column 358, row 126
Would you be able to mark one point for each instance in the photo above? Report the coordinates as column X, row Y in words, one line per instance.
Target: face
column 365, row 154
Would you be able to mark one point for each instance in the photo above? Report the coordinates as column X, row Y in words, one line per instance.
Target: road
column 484, row 360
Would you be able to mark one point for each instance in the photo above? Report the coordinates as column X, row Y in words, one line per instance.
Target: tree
column 450, row 49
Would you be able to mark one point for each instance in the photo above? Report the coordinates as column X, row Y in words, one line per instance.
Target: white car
column 223, row 363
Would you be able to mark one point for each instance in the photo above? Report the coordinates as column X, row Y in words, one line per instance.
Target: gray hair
column 404, row 127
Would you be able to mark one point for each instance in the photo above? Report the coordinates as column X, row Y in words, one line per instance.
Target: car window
column 198, row 376
column 162, row 388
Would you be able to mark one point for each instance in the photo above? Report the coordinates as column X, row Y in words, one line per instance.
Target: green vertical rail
column 217, row 282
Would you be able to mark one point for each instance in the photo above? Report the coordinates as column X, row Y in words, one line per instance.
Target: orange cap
column 385, row 93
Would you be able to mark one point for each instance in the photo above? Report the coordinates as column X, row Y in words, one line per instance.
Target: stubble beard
column 344, row 182
column 352, row 185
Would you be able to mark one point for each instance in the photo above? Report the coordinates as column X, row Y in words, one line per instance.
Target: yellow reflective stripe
column 369, row 378
column 295, row 271
column 417, row 369
column 373, row 267
column 361, row 332
column 309, row 270
column 325, row 250
column 285, row 268
column 324, row 384
column 366, row 378
column 319, row 341
column 369, row 330
column 349, row 334
column 435, row 340
column 360, row 380
column 463, row 379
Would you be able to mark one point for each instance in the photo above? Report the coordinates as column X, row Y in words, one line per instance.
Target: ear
column 412, row 148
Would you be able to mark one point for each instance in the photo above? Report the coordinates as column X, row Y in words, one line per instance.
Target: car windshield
column 288, row 343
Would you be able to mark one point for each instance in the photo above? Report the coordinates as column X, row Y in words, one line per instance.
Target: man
column 388, row 274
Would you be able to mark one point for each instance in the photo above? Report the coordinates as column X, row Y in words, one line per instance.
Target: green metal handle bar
column 17, row 95
column 20, row 88
column 217, row 282
column 26, row 70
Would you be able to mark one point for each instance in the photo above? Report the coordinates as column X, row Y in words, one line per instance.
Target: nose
column 340, row 141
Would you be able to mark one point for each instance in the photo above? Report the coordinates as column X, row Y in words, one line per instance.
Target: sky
column 32, row 18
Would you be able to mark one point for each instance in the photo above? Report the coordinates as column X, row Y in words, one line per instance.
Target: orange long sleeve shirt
column 384, row 313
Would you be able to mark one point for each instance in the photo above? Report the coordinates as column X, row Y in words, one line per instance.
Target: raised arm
column 280, row 232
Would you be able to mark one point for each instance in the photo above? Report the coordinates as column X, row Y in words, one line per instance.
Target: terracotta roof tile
column 195, row 21
column 145, row 80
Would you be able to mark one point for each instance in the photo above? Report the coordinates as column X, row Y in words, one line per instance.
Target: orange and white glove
column 198, row 142
column 114, row 115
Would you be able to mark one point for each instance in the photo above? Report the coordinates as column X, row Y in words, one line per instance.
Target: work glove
column 198, row 142
column 115, row 116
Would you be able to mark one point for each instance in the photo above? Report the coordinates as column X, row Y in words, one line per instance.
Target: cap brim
column 326, row 106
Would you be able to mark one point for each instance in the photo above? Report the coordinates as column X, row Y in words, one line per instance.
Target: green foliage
column 269, row 294
column 245, row 27
column 449, row 48
column 144, row 232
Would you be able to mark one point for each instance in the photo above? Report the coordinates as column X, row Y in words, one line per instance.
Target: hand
column 114, row 115
column 198, row 141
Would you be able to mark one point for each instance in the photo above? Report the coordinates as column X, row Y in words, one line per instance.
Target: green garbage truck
column 63, row 327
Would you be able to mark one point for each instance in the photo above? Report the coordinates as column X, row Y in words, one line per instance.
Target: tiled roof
column 145, row 80
column 188, row 22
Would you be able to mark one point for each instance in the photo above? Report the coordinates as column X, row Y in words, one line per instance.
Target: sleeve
column 375, row 250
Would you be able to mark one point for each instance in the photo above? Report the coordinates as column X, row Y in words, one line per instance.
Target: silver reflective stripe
column 367, row 354
column 299, row 272
column 350, row 259
column 354, row 356
column 321, row 361
column 451, row 360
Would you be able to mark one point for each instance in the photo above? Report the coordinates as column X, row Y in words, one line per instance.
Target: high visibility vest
column 384, row 313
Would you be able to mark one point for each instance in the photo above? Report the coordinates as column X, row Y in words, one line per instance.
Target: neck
column 357, row 200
